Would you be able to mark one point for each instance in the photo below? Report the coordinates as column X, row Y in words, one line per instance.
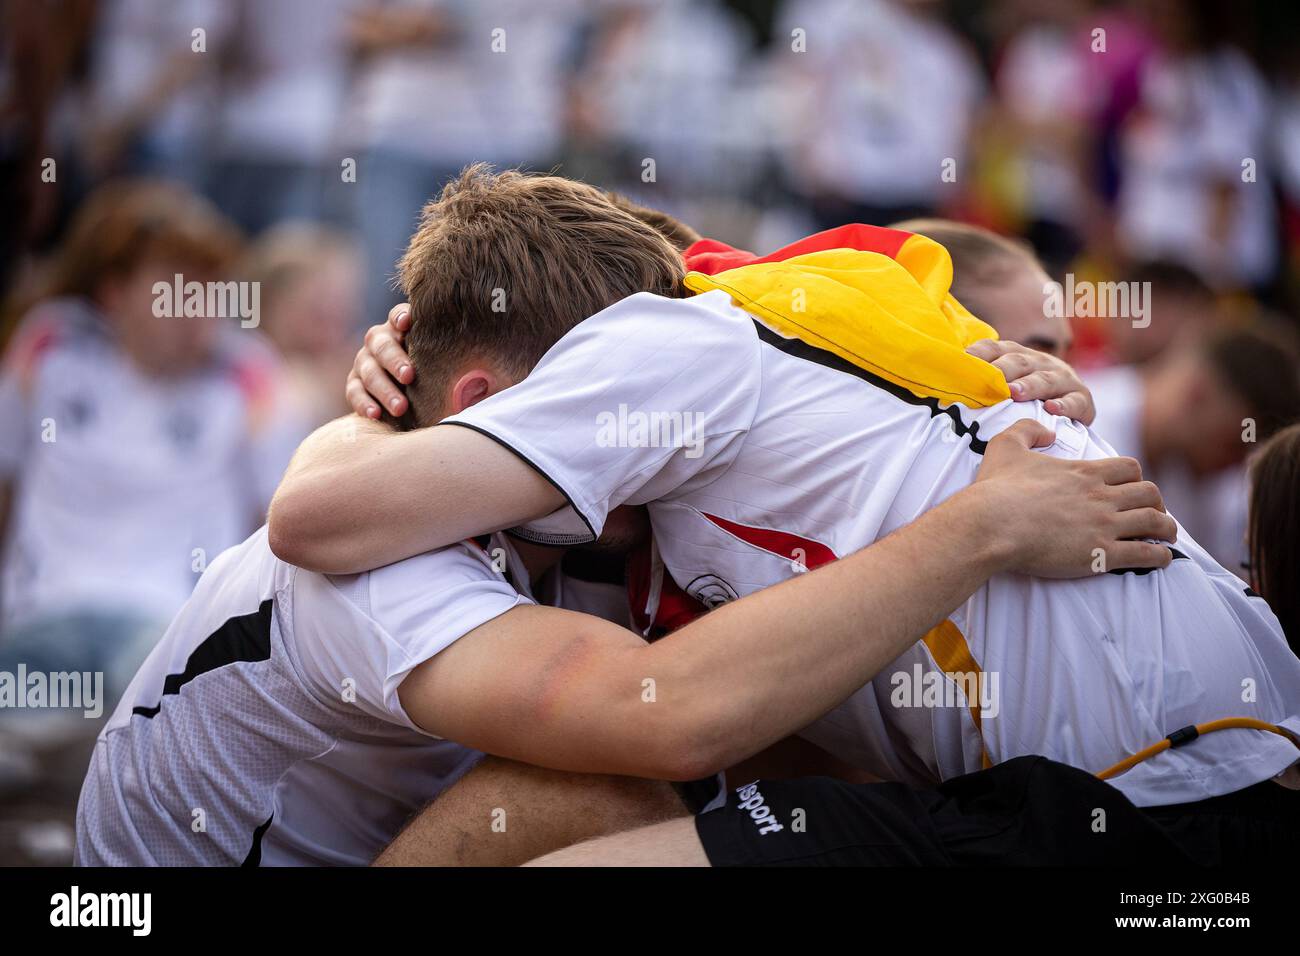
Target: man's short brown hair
column 504, row 264
column 674, row 230
column 981, row 259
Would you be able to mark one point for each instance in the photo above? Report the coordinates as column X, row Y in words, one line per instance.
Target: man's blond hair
column 505, row 263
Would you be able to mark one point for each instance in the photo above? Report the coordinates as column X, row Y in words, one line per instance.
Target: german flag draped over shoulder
column 878, row 298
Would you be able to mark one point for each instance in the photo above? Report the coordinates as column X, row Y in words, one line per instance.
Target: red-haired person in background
column 140, row 435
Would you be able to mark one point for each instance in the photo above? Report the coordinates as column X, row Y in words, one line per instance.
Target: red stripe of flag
column 711, row 256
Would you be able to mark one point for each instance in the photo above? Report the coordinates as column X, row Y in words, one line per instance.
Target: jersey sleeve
column 649, row 397
column 359, row 636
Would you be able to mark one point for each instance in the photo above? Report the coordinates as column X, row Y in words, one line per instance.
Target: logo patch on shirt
column 711, row 591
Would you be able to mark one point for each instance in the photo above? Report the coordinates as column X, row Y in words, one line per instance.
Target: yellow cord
column 1185, row 736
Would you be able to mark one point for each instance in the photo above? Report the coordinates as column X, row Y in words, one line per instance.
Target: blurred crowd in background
column 291, row 143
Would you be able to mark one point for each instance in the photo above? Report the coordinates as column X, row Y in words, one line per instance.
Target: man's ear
column 472, row 387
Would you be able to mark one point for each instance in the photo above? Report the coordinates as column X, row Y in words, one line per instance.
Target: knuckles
column 1132, row 469
column 1013, row 363
column 376, row 336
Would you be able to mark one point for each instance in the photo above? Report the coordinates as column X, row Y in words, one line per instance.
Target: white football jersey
column 265, row 727
column 127, row 485
column 761, row 457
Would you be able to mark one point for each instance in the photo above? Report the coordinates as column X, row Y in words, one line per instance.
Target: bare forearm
column 752, row 672
column 742, row 677
column 359, row 495
column 503, row 813
column 320, row 515
column 568, row 691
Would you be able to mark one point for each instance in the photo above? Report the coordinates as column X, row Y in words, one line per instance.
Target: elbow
column 592, row 695
column 687, row 747
column 684, row 764
column 282, row 533
column 290, row 537
column 691, row 737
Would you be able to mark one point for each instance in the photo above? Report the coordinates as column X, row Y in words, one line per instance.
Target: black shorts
column 1026, row 812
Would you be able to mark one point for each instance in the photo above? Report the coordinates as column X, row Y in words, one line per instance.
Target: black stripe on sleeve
column 534, row 466
column 243, row 638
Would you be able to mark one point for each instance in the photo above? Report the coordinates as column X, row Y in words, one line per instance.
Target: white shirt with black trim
column 780, row 461
column 265, row 728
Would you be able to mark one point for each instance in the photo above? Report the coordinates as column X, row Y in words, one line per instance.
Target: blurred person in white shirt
column 1048, row 105
column 670, row 81
column 438, row 84
column 1193, row 416
column 1194, row 188
column 881, row 98
column 149, row 95
column 284, row 77
column 137, row 441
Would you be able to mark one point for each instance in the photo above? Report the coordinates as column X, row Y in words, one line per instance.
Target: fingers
column 1137, row 554
column 359, row 399
column 399, row 317
column 990, row 349
column 1031, row 375
column 1015, row 366
column 1146, row 523
column 1081, row 406
column 1138, row 494
column 1061, row 391
column 376, row 381
column 394, row 359
column 385, row 346
column 381, row 360
column 1116, row 471
column 1043, row 383
column 1026, row 433
column 997, row 351
column 1076, row 406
